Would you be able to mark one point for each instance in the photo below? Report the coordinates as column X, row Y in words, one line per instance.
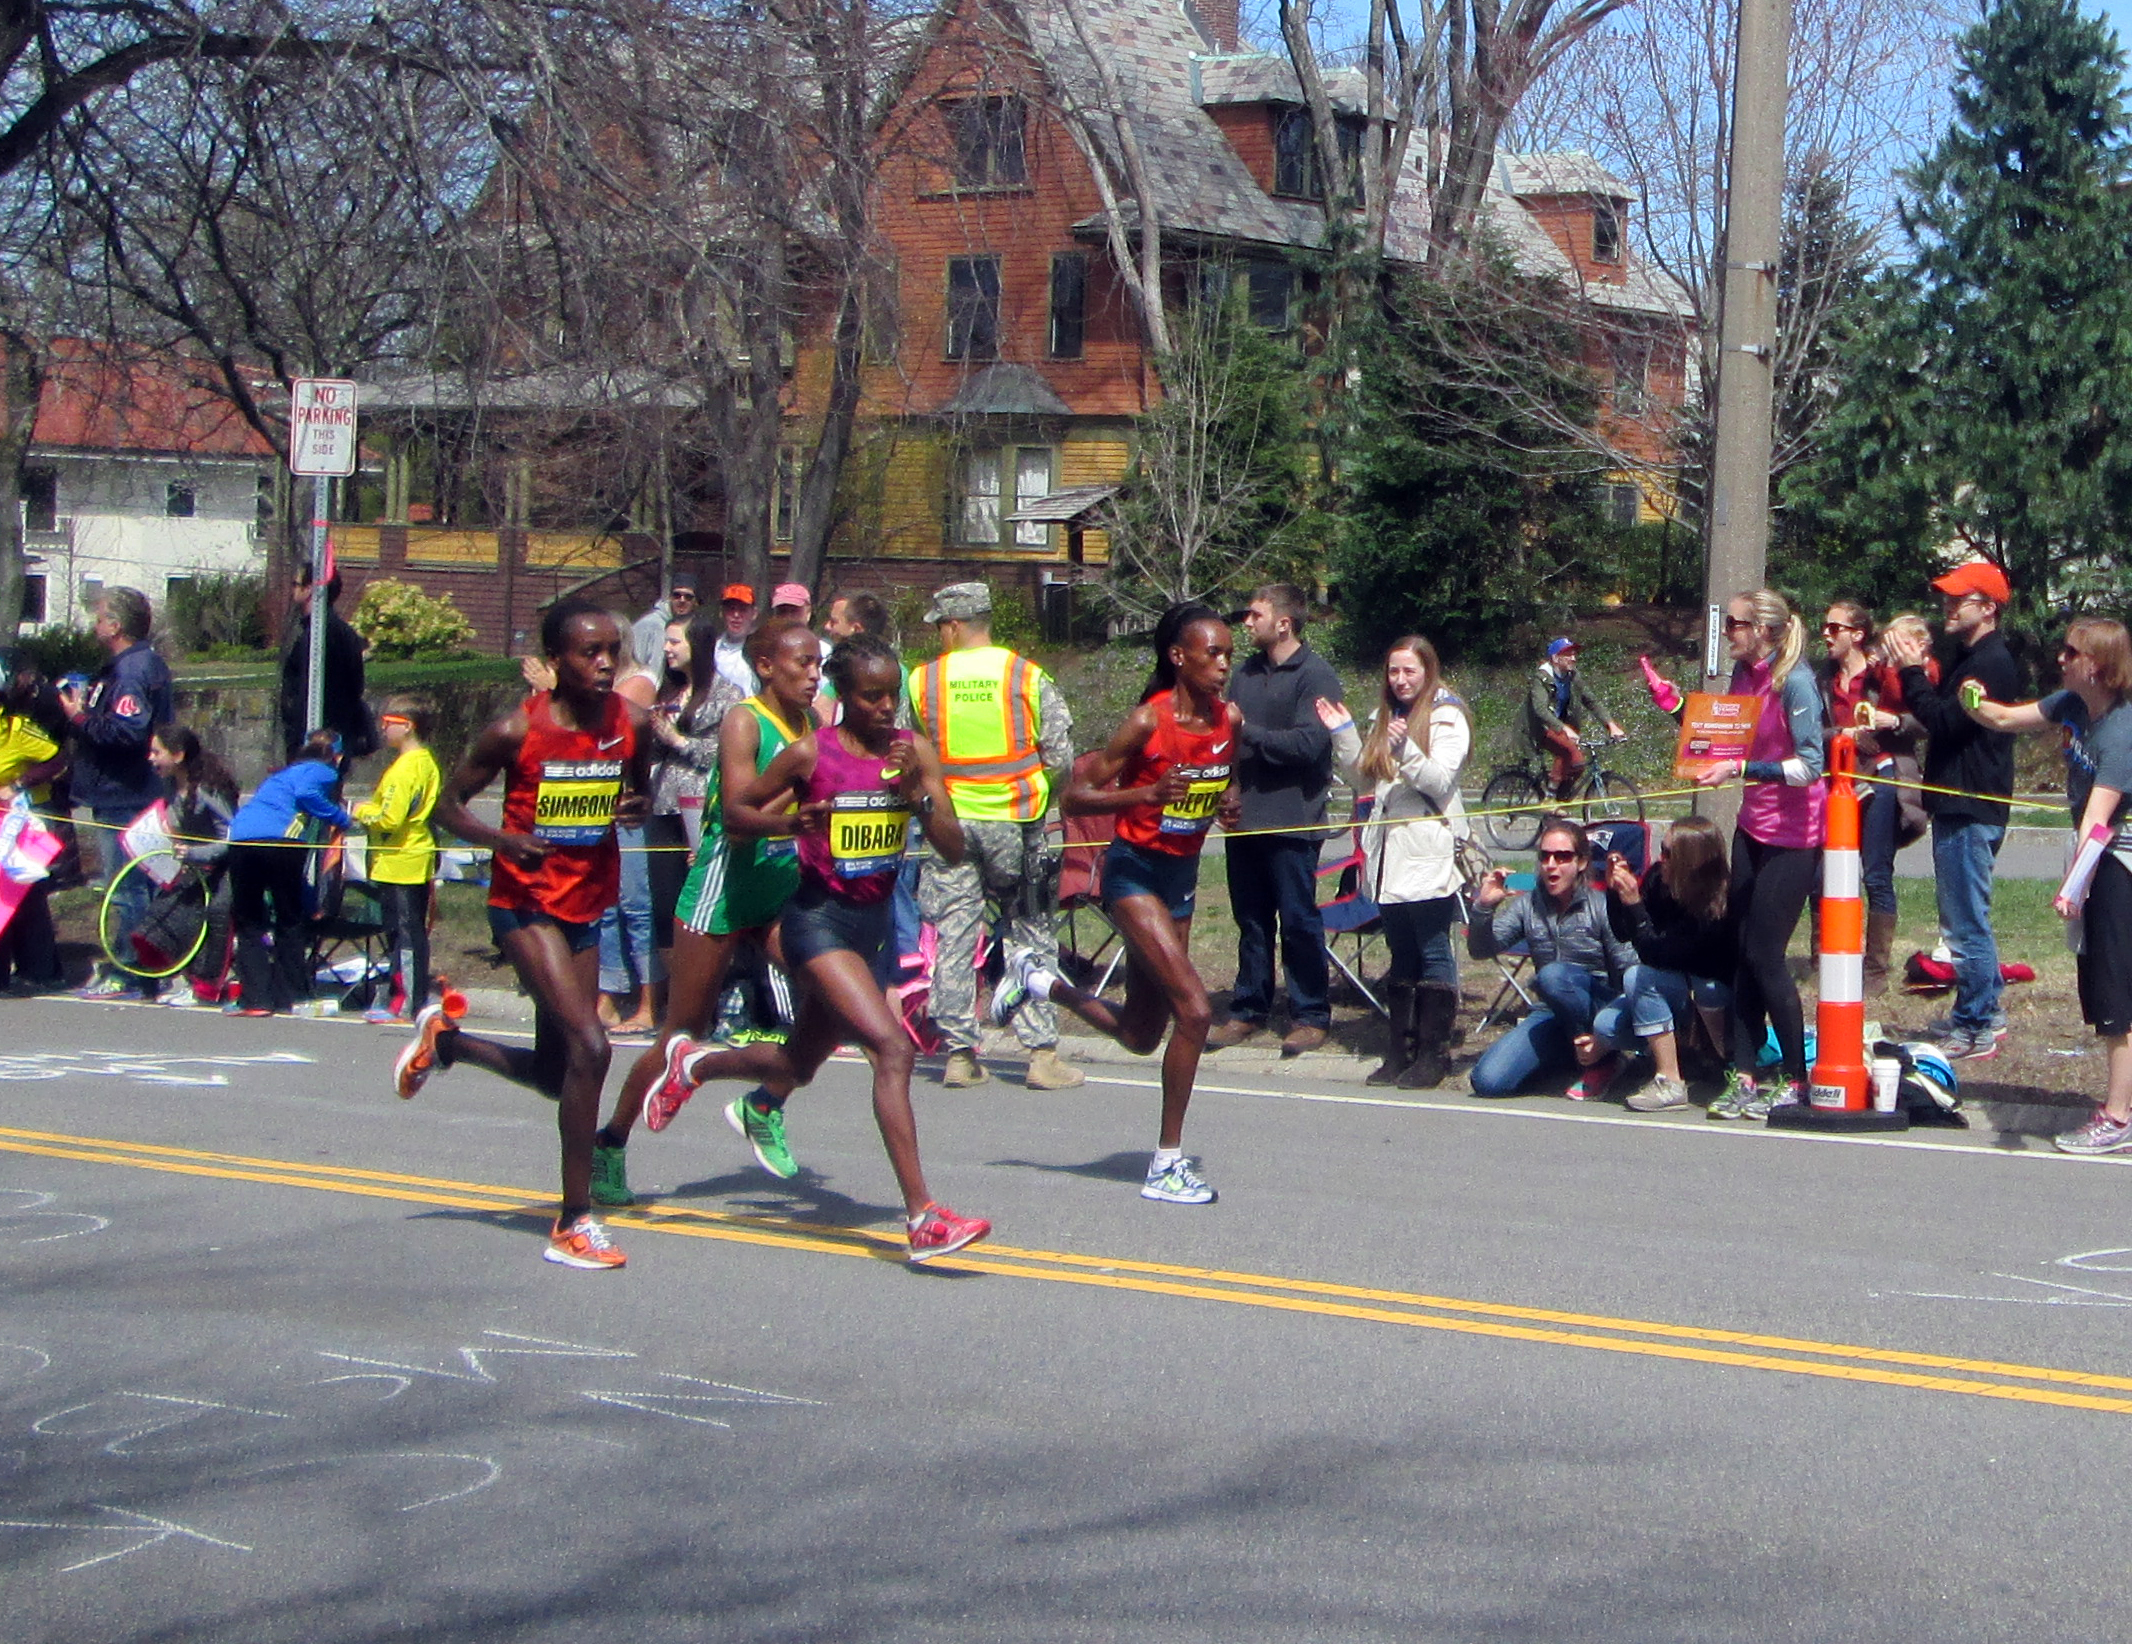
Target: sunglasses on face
column 1733, row 622
column 1841, row 628
column 1558, row 856
column 2067, row 653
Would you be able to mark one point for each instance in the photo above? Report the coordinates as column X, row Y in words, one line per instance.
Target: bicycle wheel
column 107, row 933
column 1609, row 797
column 1514, row 800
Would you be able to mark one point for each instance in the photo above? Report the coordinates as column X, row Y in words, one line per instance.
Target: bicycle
column 1517, row 796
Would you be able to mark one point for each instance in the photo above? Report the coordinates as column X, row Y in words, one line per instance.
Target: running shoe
column 2101, row 1134
column 1661, row 1095
column 1969, row 1045
column 610, row 1177
column 1593, row 1083
column 1786, row 1093
column 1178, row 1182
column 765, row 1132
column 674, row 1087
column 1023, row 978
column 938, row 1231
column 237, row 1007
column 384, row 1016
column 419, row 1060
column 106, row 985
column 584, row 1243
column 1732, row 1101
column 1946, row 1027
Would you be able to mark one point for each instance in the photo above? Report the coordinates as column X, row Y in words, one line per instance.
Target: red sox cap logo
column 127, row 706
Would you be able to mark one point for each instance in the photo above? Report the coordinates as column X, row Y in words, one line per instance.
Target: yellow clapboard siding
column 356, row 543
column 548, row 549
column 452, row 547
column 1093, row 462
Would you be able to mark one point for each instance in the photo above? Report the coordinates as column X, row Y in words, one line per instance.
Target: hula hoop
column 103, row 918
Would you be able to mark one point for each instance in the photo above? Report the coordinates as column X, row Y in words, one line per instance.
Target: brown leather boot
column 1880, row 943
column 1435, row 1011
column 1399, row 1052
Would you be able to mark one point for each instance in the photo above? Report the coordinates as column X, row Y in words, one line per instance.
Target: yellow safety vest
column 980, row 709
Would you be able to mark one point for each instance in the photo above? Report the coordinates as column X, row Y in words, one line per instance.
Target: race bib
column 1194, row 812
column 575, row 802
column 776, row 850
column 867, row 833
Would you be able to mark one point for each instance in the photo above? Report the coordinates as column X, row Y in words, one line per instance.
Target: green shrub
column 400, row 621
column 56, row 651
column 220, row 614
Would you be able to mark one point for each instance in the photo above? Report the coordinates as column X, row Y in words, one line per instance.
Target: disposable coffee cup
column 1887, row 1080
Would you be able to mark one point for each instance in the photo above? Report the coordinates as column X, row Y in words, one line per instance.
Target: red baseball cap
column 737, row 593
column 1979, row 577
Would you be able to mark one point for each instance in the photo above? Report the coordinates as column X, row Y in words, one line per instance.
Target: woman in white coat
column 1409, row 763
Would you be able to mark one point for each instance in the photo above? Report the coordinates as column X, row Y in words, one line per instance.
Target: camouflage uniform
column 1015, row 866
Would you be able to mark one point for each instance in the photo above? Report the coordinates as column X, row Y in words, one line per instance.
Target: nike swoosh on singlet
column 1217, row 748
column 611, row 742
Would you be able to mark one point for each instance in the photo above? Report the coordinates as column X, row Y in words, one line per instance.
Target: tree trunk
column 815, row 518
column 22, row 370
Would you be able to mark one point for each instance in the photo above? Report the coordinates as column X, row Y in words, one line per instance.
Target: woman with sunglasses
column 2092, row 710
column 1776, row 849
column 1408, row 764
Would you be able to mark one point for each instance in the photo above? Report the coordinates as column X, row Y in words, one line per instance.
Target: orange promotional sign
column 1714, row 728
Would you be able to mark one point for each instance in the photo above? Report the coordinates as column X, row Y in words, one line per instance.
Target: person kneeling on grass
column 574, row 761
column 2093, row 711
column 1679, row 919
column 853, row 787
column 1579, row 963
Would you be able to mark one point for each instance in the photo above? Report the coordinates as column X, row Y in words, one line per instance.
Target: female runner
column 574, row 762
column 738, row 886
column 854, row 786
column 1172, row 760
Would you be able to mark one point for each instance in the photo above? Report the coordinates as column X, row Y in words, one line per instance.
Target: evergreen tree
column 1988, row 400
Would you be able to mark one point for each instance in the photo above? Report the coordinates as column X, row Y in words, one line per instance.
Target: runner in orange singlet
column 574, row 760
column 1173, row 763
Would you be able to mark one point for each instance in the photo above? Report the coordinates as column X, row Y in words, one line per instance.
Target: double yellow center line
column 1834, row 1361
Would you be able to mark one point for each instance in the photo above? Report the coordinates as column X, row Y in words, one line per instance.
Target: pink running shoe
column 938, row 1231
column 673, row 1087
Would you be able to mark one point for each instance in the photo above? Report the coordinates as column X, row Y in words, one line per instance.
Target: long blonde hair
column 1773, row 615
column 1377, row 762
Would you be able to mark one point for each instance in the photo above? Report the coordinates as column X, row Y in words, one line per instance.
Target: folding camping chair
column 1081, row 898
column 346, row 929
column 1352, row 915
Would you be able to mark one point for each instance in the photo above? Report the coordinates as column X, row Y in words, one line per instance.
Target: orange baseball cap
column 737, row 593
column 1979, row 577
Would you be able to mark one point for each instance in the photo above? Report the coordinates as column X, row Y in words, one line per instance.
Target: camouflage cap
column 960, row 601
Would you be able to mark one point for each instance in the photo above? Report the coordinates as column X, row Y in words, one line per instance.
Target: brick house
column 1004, row 379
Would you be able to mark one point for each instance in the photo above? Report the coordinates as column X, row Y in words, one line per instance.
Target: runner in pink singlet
column 856, row 785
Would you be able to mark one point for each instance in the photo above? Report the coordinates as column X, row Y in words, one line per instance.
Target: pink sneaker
column 674, row 1086
column 938, row 1231
column 1596, row 1079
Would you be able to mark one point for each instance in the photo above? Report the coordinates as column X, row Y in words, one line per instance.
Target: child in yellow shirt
column 403, row 850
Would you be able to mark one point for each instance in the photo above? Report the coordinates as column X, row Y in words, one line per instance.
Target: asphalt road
column 283, row 1363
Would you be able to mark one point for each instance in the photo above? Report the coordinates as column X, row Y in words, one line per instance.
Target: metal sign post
column 322, row 446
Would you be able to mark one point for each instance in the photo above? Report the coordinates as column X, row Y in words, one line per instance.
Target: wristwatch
column 924, row 806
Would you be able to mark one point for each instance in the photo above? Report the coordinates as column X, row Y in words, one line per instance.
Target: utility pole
column 1738, row 528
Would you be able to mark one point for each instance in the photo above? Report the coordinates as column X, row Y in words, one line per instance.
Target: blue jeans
column 1419, row 935
column 1964, row 856
column 130, row 905
column 1572, row 999
column 1273, row 881
column 1879, row 836
column 628, row 958
column 1657, row 1001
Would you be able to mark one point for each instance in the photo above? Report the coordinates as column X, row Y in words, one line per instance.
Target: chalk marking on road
column 2085, row 1261
column 539, row 1347
column 155, row 1530
column 651, row 1405
column 1239, row 1289
column 44, row 1359
column 35, row 1065
column 493, row 1471
column 35, row 1213
column 1648, row 1125
column 133, row 1429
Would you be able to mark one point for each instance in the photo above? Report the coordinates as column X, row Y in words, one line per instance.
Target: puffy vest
column 980, row 709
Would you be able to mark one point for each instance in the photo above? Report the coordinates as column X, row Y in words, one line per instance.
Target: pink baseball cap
column 791, row 593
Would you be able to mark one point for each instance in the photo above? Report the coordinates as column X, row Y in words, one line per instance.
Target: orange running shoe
column 938, row 1231
column 419, row 1059
column 584, row 1243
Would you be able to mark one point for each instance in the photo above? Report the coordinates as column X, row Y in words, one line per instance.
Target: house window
column 40, row 500
column 787, row 509
column 998, row 481
column 1069, row 304
column 92, row 590
column 1272, row 285
column 180, row 500
column 973, row 308
column 1632, row 371
column 1606, row 232
column 1624, row 504
column 33, row 598
column 1295, row 170
column 989, row 151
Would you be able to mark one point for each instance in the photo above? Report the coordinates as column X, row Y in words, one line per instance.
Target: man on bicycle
column 1556, row 707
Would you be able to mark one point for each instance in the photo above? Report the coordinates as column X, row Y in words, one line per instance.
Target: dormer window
column 1606, row 231
column 989, row 147
column 1295, row 152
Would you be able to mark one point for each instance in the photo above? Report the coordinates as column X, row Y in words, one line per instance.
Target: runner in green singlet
column 737, row 886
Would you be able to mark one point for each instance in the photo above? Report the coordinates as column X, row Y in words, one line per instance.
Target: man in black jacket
column 345, row 710
column 1284, row 767
column 1967, row 828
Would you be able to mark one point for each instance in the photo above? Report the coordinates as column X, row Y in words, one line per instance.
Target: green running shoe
column 610, row 1177
column 765, row 1133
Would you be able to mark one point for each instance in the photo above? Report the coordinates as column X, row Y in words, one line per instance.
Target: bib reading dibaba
column 867, row 833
